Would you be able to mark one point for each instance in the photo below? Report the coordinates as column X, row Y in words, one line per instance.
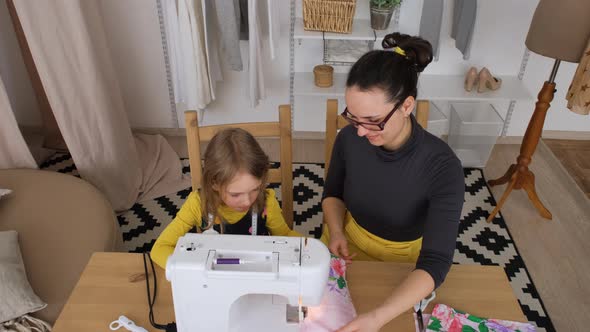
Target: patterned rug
column 478, row 242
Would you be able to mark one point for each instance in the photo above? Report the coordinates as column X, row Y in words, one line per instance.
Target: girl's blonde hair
column 229, row 152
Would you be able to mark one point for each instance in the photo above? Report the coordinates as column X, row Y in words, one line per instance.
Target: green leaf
column 482, row 327
column 341, row 283
column 474, row 319
column 435, row 324
column 385, row 3
column 467, row 328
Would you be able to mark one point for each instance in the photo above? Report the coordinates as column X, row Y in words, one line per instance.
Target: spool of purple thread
column 221, row 261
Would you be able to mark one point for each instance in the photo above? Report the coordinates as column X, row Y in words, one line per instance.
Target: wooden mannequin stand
column 518, row 175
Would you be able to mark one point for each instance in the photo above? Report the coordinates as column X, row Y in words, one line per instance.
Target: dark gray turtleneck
column 416, row 190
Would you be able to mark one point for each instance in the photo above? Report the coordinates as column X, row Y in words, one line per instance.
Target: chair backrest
column 335, row 122
column 422, row 108
column 281, row 129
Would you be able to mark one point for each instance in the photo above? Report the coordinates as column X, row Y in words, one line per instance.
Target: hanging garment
column 274, row 27
column 186, row 39
column 175, row 55
column 244, row 33
column 255, row 68
column 430, row 23
column 212, row 37
column 14, row 152
column 228, row 17
column 192, row 41
column 578, row 94
column 464, row 16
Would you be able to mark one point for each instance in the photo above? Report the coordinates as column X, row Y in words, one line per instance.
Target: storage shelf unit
column 361, row 30
column 430, row 87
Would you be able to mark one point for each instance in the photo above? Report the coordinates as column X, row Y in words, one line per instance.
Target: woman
column 394, row 192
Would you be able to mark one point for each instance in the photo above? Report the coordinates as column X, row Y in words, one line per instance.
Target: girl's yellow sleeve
column 274, row 217
column 188, row 217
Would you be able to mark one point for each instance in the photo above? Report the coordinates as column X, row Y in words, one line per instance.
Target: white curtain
column 14, row 152
column 68, row 45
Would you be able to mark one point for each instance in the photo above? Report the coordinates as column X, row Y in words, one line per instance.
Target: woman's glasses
column 370, row 125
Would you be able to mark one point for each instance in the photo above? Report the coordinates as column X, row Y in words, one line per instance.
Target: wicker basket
column 323, row 76
column 328, row 15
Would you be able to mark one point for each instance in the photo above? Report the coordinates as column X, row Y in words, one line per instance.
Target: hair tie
column 399, row 51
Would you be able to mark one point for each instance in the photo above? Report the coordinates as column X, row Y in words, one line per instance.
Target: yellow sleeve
column 188, row 217
column 274, row 217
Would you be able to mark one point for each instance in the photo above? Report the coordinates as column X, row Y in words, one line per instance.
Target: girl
column 234, row 178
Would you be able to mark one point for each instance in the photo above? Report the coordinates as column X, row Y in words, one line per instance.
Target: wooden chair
column 335, row 122
column 281, row 129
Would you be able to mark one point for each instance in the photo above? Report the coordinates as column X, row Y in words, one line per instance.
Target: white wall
column 133, row 30
column 14, row 74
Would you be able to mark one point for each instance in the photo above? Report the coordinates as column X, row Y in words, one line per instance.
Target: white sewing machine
column 245, row 283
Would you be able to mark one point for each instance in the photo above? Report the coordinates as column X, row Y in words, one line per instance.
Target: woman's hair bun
column 418, row 51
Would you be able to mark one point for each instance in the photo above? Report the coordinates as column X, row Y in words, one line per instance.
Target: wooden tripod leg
column 504, row 178
column 503, row 198
column 528, row 184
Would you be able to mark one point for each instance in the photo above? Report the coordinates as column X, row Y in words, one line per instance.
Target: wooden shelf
column 430, row 87
column 451, row 87
column 304, row 86
column 361, row 30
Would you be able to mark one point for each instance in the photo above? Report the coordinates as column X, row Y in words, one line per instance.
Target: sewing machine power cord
column 170, row 327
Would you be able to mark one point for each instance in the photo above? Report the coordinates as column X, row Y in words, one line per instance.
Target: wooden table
column 105, row 291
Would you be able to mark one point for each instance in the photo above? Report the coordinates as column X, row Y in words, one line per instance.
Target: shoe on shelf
column 487, row 82
column 470, row 79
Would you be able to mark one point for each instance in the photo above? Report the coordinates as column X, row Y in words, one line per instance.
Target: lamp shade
column 560, row 29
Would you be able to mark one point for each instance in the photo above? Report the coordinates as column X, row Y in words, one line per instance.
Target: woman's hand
column 367, row 322
column 339, row 246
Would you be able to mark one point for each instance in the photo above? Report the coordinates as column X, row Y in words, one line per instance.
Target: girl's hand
column 339, row 246
column 367, row 322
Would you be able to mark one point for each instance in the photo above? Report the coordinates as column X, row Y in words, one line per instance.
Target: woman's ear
column 408, row 106
column 215, row 187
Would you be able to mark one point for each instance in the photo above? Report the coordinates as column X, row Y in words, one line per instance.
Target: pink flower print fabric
column 447, row 319
column 336, row 309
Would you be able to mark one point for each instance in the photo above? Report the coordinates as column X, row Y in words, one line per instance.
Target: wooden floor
column 556, row 252
column 574, row 155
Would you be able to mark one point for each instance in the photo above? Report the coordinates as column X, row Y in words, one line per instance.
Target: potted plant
column 381, row 11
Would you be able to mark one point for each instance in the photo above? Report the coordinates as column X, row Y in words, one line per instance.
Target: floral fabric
column 336, row 309
column 447, row 319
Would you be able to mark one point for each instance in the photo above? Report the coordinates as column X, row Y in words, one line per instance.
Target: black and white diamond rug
column 478, row 242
